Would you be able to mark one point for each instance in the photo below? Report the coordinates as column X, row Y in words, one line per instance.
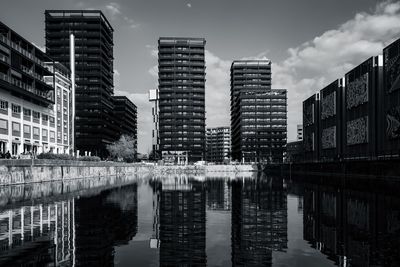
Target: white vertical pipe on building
column 72, row 66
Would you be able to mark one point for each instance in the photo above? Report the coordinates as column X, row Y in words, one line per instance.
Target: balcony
column 26, row 89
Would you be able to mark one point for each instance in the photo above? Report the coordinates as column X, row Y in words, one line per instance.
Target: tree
column 124, row 148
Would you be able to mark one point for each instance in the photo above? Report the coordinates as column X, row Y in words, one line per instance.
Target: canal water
column 202, row 221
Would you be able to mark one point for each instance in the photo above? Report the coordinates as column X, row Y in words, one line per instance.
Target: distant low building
column 218, row 144
column 294, row 151
column 125, row 112
column 299, row 132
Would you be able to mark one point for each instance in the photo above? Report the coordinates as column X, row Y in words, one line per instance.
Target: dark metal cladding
column 258, row 113
column 311, row 119
column 390, row 115
column 95, row 121
column 331, row 133
column 181, row 78
column 361, row 107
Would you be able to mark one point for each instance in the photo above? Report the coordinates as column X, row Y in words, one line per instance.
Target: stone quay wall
column 14, row 172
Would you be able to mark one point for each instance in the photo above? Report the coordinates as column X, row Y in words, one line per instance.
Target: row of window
column 27, row 131
column 263, row 113
column 263, row 119
column 263, row 100
column 262, row 133
column 28, row 113
column 263, row 126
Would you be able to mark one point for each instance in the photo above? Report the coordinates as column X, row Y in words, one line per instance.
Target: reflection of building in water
column 361, row 228
column 218, row 194
column 103, row 221
column 182, row 228
column 38, row 235
column 259, row 221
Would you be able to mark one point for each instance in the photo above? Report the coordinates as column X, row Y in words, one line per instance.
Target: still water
column 201, row 221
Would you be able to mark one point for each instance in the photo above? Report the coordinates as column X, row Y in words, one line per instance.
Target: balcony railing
column 25, row 86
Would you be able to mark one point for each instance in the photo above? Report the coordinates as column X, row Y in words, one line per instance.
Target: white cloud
column 217, row 90
column 113, row 9
column 117, row 79
column 189, row 5
column 308, row 67
column 131, row 23
column 316, row 63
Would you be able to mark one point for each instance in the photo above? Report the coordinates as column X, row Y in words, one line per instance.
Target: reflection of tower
column 38, row 235
column 112, row 223
column 182, row 224
column 218, row 194
column 155, row 237
column 259, row 221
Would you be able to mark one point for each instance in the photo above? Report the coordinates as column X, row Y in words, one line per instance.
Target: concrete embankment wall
column 379, row 168
column 14, row 172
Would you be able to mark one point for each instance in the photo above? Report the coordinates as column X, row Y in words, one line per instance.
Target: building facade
column 361, row 107
column 94, row 121
column 311, row 116
column 27, row 117
column 126, row 113
column 181, row 78
column 331, row 116
column 299, row 132
column 258, row 113
column 61, row 80
column 390, row 112
column 218, row 144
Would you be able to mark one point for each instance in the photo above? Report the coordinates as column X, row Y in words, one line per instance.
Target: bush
column 55, row 156
column 89, row 158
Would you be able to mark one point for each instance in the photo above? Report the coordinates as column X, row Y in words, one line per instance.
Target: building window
column 36, row 133
column 3, row 126
column 16, row 129
column 16, row 111
column 3, row 107
column 44, row 134
column 52, row 120
column 52, row 136
column 27, row 131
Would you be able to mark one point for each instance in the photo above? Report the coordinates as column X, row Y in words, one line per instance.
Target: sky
column 310, row 43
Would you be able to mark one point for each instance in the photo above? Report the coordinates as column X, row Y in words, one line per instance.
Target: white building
column 299, row 132
column 62, row 108
column 218, row 144
column 28, row 109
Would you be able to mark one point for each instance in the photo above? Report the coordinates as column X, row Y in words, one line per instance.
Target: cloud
column 314, row 64
column 189, row 5
column 153, row 50
column 131, row 23
column 117, row 79
column 308, row 67
column 217, row 90
column 113, row 9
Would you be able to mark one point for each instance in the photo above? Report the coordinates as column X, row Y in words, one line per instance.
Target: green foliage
column 89, row 158
column 124, row 148
column 55, row 156
column 66, row 157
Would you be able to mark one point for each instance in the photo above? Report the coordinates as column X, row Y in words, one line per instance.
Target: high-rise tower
column 94, row 120
column 181, row 77
column 258, row 113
